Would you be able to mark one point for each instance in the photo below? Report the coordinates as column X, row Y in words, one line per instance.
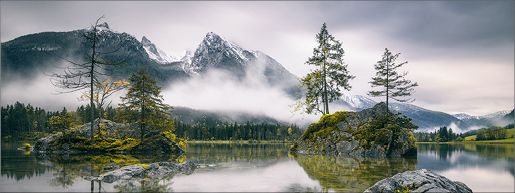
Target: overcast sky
column 461, row 52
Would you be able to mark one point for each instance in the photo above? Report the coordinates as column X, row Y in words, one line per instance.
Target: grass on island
column 497, row 141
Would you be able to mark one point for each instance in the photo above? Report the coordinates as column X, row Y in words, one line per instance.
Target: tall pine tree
column 324, row 83
column 392, row 84
column 144, row 103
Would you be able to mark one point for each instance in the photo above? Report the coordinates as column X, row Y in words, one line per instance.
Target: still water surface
column 261, row 168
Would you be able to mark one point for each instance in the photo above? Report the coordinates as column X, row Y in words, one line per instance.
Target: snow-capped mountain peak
column 463, row 116
column 215, row 42
column 215, row 51
column 496, row 114
column 157, row 54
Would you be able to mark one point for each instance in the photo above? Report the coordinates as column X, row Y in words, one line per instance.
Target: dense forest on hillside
column 20, row 121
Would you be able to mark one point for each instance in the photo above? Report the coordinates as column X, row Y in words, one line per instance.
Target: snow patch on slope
column 157, row 54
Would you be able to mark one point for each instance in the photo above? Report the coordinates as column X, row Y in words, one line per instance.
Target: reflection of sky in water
column 481, row 179
column 281, row 176
column 480, row 173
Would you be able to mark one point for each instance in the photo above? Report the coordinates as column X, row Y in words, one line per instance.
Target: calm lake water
column 261, row 168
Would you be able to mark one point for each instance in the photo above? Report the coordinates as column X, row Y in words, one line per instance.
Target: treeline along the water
column 22, row 120
column 445, row 134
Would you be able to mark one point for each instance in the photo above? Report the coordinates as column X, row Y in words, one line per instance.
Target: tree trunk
column 141, row 119
column 387, row 83
column 390, row 142
column 142, row 114
column 91, row 73
column 326, row 101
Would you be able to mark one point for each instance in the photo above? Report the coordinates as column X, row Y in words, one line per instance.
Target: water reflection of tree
column 16, row 165
column 465, row 155
column 61, row 177
column 495, row 151
column 351, row 174
column 68, row 168
column 236, row 152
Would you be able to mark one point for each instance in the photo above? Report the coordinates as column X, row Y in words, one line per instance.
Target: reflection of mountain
column 441, row 157
column 344, row 174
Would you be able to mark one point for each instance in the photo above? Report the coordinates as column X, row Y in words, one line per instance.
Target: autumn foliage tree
column 103, row 90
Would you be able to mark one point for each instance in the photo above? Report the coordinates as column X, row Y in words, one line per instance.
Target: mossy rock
column 158, row 144
column 368, row 133
column 74, row 141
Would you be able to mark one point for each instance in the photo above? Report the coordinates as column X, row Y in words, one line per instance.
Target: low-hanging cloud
column 40, row 91
column 220, row 91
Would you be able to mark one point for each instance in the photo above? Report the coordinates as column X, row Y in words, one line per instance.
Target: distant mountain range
column 428, row 119
column 30, row 55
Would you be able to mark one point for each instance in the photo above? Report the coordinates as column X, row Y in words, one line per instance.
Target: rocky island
column 115, row 138
column 373, row 132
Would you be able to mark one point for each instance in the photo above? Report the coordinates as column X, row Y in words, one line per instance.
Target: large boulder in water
column 157, row 170
column 369, row 133
column 418, row 181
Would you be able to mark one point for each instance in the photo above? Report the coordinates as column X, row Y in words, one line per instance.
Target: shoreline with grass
column 497, row 141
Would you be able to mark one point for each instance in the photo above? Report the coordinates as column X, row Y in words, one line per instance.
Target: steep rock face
column 214, row 52
column 157, row 54
column 363, row 134
column 418, row 181
column 217, row 53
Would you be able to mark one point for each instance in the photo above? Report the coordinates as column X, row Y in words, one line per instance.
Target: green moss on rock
column 371, row 133
column 115, row 138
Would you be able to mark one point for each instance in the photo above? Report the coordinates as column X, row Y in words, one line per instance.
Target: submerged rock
column 124, row 173
column 368, row 133
column 418, row 181
column 153, row 170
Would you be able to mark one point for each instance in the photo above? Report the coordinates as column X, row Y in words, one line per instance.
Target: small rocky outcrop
column 418, row 181
column 115, row 138
column 154, row 170
column 369, row 133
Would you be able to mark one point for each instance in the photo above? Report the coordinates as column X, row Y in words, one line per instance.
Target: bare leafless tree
column 79, row 76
